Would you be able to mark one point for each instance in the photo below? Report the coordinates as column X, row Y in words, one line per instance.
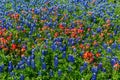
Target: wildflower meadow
column 59, row 39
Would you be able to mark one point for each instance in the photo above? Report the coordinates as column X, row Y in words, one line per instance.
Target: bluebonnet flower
column 111, row 36
column 22, row 77
column 103, row 69
column 112, row 62
column 119, row 61
column 99, row 29
column 13, row 41
column 10, row 66
column 119, row 46
column 42, row 59
column 114, row 45
column 44, row 52
column 55, row 62
column 30, row 32
column 54, row 47
column 81, row 69
column 85, row 64
column 60, row 48
column 74, row 49
column 115, row 32
column 69, row 68
column 63, row 48
column 38, row 35
column 63, row 54
column 94, row 76
column 33, row 50
column 19, row 40
column 115, row 58
column 71, row 58
column 109, row 50
column 44, row 66
column 81, row 53
column 99, row 51
column 32, row 56
column 59, row 72
column 94, row 69
column 51, row 72
column 28, row 62
column 36, row 11
column 22, row 66
column 100, row 65
column 87, row 35
column 83, row 41
column 73, row 43
column 21, row 63
column 24, row 58
column 33, row 64
column 39, row 73
column 12, row 73
column 1, row 68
